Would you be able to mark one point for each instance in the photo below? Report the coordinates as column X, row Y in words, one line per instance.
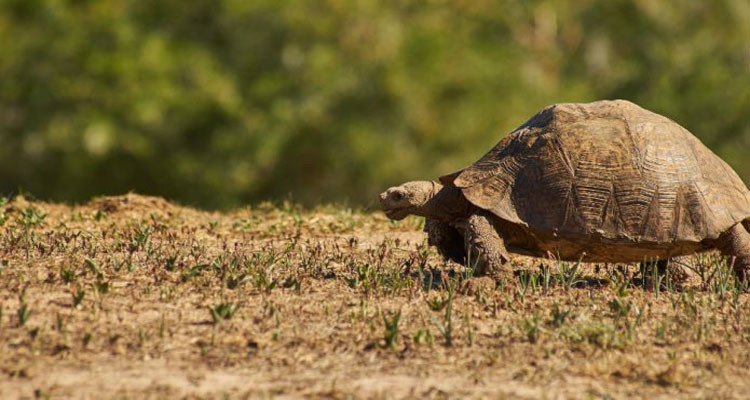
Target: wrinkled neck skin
column 446, row 204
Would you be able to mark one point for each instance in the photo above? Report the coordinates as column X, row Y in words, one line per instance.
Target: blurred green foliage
column 222, row 102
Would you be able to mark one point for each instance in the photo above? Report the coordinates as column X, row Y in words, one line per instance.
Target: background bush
column 220, row 103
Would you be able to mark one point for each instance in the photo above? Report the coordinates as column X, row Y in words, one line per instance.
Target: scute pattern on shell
column 608, row 171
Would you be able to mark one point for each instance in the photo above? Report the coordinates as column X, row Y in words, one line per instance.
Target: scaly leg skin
column 680, row 269
column 735, row 243
column 447, row 239
column 485, row 247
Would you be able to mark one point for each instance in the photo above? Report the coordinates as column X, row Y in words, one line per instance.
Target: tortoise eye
column 397, row 196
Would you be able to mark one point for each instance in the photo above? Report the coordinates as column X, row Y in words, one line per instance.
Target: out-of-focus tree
column 218, row 103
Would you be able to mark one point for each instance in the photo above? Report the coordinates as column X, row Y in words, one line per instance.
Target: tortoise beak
column 396, row 214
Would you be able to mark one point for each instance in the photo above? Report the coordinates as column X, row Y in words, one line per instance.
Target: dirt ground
column 134, row 297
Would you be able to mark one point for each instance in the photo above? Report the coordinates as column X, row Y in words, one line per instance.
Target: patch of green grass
column 30, row 218
column 445, row 327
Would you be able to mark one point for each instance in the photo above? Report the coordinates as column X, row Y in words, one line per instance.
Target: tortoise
column 606, row 181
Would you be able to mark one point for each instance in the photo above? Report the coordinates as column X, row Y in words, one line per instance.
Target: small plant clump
column 223, row 311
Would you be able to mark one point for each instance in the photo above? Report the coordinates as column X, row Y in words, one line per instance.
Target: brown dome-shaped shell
column 608, row 171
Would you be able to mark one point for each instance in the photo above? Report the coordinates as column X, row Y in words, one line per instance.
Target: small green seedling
column 78, row 296
column 391, row 329
column 223, row 311
column 24, row 313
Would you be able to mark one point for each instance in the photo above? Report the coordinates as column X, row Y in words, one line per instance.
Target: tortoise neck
column 446, row 204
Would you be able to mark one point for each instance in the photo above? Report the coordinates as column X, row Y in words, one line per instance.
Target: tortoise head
column 400, row 201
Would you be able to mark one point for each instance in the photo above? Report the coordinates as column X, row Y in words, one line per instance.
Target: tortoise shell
column 607, row 172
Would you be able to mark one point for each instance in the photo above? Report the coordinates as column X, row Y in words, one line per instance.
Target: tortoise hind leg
column 680, row 270
column 447, row 239
column 735, row 243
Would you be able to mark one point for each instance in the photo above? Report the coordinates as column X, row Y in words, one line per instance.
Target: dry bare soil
column 134, row 297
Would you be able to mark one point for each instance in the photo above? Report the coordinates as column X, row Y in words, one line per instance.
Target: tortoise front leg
column 485, row 246
column 447, row 239
column 735, row 243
